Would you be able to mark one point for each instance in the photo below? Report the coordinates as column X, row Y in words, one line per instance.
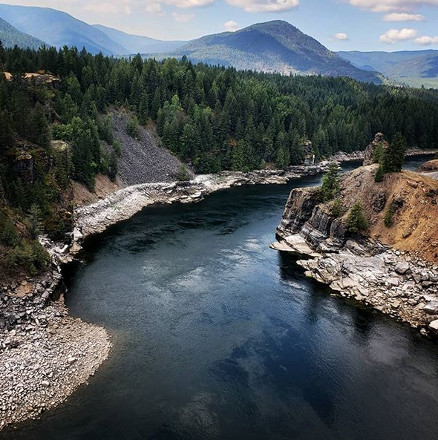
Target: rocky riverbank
column 360, row 155
column 123, row 204
column 394, row 268
column 44, row 353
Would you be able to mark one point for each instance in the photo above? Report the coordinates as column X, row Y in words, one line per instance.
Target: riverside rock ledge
column 395, row 282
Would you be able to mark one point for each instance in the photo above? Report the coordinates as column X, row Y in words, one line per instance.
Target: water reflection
column 217, row 336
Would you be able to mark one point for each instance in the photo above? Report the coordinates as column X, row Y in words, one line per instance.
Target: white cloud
column 403, row 16
column 341, row 36
column 182, row 17
column 392, row 5
column 426, row 40
column 394, row 35
column 264, row 5
column 231, row 26
column 154, row 8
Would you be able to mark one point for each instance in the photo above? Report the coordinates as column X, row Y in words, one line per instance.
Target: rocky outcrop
column 378, row 141
column 396, row 282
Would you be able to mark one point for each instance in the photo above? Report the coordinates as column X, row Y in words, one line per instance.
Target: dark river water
column 218, row 337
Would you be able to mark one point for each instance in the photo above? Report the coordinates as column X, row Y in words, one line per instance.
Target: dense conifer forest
column 213, row 118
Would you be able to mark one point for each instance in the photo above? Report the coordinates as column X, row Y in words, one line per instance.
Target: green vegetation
column 10, row 37
column 378, row 153
column 330, row 182
column 389, row 214
column 356, row 220
column 20, row 252
column 214, row 118
column 183, row 174
column 392, row 159
column 132, row 127
column 337, row 209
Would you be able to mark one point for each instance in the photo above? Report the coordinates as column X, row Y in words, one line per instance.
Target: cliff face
column 393, row 268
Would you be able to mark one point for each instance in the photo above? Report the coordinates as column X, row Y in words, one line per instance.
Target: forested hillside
column 213, row 118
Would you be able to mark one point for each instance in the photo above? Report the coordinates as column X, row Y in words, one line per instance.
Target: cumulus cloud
column 394, row 35
column 392, row 5
column 403, row 16
column 341, row 36
column 264, row 5
column 426, row 40
column 182, row 18
column 231, row 26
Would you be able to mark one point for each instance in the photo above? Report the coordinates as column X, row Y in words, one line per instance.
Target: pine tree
column 394, row 156
column 356, row 220
column 330, row 182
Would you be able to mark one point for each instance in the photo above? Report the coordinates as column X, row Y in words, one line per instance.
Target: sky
column 388, row 25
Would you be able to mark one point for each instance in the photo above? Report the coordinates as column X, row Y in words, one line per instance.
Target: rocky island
column 391, row 266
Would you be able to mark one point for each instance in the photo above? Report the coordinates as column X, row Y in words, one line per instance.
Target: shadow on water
column 216, row 336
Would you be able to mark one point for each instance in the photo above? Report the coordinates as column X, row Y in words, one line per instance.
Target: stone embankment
column 394, row 281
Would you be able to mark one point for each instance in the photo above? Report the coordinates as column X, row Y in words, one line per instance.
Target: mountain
column 414, row 68
column 10, row 37
column 137, row 43
column 275, row 46
column 59, row 29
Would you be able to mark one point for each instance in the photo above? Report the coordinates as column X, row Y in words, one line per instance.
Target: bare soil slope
column 414, row 200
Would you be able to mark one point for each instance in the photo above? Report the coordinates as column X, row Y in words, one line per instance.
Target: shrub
column 8, row 232
column 132, row 127
column 183, row 173
column 356, row 220
column 330, row 182
column 337, row 210
column 379, row 174
column 30, row 257
column 117, row 148
column 389, row 214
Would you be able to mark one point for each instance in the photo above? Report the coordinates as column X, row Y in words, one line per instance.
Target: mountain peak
column 273, row 46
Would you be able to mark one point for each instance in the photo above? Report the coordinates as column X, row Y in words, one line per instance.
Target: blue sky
column 338, row 24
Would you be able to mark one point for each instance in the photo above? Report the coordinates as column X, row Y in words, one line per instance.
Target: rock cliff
column 392, row 268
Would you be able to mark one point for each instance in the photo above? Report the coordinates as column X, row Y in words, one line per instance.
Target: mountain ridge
column 411, row 67
column 11, row 36
column 274, row 46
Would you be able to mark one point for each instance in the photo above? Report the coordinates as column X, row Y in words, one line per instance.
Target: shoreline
column 36, row 325
column 56, row 353
column 387, row 280
column 399, row 278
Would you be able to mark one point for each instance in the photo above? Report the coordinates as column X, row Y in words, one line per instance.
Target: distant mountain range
column 10, row 37
column 275, row 46
column 134, row 44
column 411, row 67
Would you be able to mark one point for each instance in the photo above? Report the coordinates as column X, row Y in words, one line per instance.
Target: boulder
column 434, row 326
column 402, row 268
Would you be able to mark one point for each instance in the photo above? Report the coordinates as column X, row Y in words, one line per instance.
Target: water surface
column 218, row 337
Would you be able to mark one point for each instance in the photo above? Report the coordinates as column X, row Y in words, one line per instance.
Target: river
column 216, row 336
